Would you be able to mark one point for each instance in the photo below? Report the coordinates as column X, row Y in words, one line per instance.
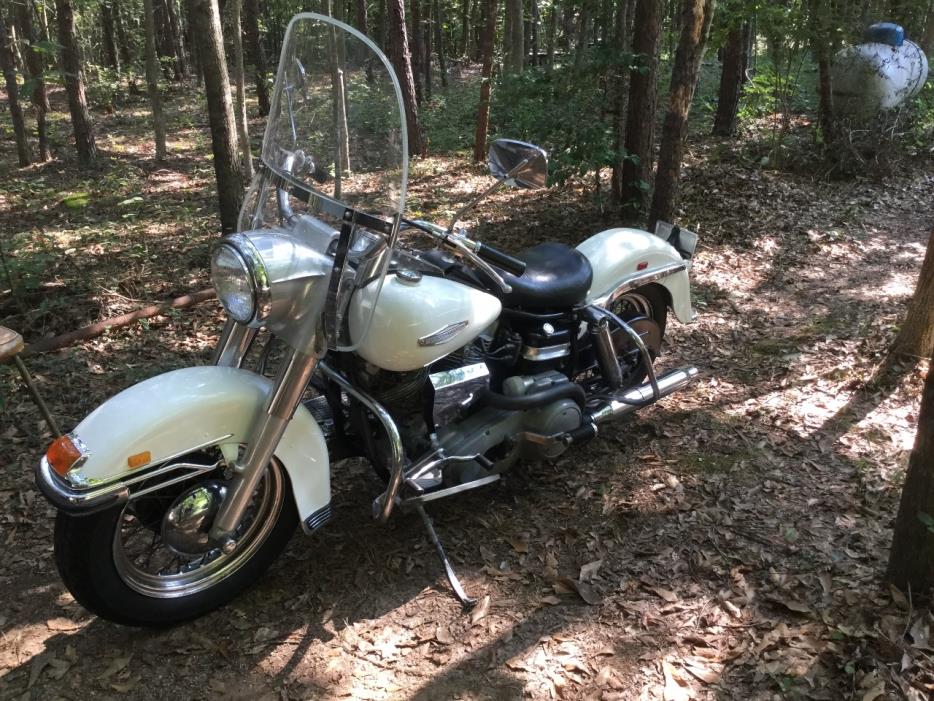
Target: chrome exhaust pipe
column 641, row 396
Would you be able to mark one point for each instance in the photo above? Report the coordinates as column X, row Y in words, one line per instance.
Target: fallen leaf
column 116, row 664
column 61, row 624
column 443, row 636
column 792, row 604
column 551, row 600
column 519, row 545
column 673, row 689
column 705, row 673
column 585, row 591
column 480, row 610
column 589, row 571
column 666, row 594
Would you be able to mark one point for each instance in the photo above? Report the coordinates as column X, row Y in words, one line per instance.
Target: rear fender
column 621, row 255
column 179, row 412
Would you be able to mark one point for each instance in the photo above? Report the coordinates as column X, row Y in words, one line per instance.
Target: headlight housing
column 240, row 280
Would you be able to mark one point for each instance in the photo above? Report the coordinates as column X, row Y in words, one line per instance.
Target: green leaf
column 77, row 200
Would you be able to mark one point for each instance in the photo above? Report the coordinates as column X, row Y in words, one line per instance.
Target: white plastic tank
column 879, row 74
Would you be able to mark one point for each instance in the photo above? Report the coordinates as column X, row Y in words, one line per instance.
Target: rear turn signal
column 62, row 454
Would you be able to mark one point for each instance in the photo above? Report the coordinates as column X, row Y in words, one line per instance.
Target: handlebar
column 503, row 260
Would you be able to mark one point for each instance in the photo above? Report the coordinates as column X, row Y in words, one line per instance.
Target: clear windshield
column 338, row 105
column 336, row 159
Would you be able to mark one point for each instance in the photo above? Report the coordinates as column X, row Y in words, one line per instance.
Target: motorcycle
column 442, row 364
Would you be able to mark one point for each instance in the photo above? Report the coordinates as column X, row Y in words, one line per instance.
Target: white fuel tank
column 418, row 320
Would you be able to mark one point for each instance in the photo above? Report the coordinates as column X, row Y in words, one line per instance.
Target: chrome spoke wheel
column 147, row 565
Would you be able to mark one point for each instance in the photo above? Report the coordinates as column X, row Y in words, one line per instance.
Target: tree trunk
column 111, row 57
column 439, row 43
column 254, row 48
column 426, row 29
column 620, row 95
column 513, row 36
column 550, row 36
column 207, row 27
column 821, row 45
column 911, row 560
column 465, row 29
column 7, row 63
column 417, row 48
column 927, row 40
column 732, row 75
column 486, row 81
column 361, row 16
column 916, row 336
column 40, row 98
column 152, row 79
column 74, row 84
column 583, row 32
column 123, row 43
column 178, row 38
column 402, row 62
column 696, row 16
column 536, row 20
column 243, row 135
column 163, row 40
column 640, row 116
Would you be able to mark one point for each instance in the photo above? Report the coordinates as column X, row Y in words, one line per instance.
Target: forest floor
column 729, row 542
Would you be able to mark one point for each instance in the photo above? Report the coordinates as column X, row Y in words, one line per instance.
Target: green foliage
column 570, row 111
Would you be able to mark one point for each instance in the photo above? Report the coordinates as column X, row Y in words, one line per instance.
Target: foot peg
column 459, row 592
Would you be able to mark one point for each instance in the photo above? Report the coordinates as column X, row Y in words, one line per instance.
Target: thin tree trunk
column 732, row 73
column 478, row 22
column 195, row 53
column 163, row 40
column 640, row 117
column 550, row 36
column 583, row 32
column 123, row 44
column 916, row 336
column 152, row 79
column 8, row 64
column 418, row 50
column 696, row 16
column 426, row 29
column 486, row 81
column 402, row 62
column 535, row 21
column 465, row 29
column 207, row 27
column 911, row 560
column 622, row 37
column 111, row 57
column 242, row 133
column 439, row 43
column 40, row 98
column 254, row 49
column 74, row 84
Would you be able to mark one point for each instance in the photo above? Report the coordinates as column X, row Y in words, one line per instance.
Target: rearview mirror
column 525, row 165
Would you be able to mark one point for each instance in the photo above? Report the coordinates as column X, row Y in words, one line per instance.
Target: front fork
column 288, row 387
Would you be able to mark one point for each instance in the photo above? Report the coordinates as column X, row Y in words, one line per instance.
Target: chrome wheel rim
column 148, row 567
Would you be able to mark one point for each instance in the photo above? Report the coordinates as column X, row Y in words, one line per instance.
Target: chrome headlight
column 240, row 280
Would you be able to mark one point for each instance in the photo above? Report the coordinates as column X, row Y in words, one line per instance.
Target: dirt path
column 730, row 540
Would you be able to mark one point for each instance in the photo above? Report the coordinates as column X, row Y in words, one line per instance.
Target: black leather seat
column 556, row 277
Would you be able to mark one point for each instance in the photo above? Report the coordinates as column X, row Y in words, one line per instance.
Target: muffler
column 641, row 396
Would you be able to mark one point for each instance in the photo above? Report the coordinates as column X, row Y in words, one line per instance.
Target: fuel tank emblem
column 443, row 334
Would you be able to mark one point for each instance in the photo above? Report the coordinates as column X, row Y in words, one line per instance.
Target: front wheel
column 117, row 564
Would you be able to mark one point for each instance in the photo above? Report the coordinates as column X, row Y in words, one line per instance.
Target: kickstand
column 459, row 592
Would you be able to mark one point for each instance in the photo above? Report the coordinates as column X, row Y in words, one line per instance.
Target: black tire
column 87, row 561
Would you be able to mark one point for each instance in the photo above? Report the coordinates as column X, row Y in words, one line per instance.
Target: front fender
column 176, row 413
column 617, row 254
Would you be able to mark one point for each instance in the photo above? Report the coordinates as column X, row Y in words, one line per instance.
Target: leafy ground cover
column 727, row 543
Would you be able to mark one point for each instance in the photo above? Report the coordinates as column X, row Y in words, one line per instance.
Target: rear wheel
column 133, row 565
column 645, row 309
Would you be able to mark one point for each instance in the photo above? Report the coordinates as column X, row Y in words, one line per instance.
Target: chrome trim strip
column 546, row 352
column 140, row 473
column 386, row 501
column 450, row 491
column 633, row 281
column 443, row 335
column 318, row 518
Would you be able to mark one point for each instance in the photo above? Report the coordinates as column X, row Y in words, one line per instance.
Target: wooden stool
column 11, row 345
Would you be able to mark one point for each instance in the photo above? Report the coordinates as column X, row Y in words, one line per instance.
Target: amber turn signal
column 62, row 454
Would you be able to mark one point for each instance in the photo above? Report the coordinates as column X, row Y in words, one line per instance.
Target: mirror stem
column 486, row 193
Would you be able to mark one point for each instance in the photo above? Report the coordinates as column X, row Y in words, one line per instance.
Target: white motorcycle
column 442, row 365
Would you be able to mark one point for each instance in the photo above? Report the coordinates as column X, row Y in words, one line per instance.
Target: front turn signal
column 62, row 455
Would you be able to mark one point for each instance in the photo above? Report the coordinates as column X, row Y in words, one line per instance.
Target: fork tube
column 291, row 380
column 233, row 345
